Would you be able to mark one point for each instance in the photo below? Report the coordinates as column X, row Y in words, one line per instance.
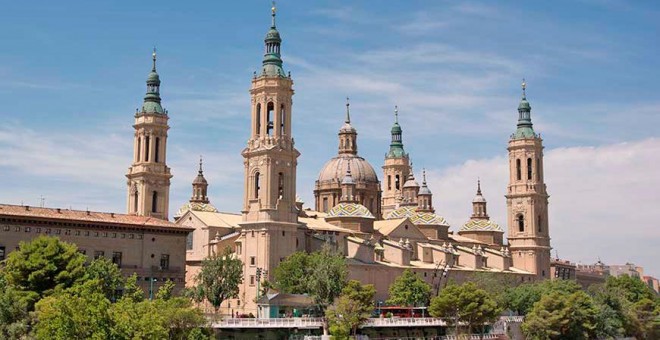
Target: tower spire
column 201, row 172
column 272, row 63
column 348, row 113
column 153, row 56
column 152, row 98
column 478, row 186
column 396, row 146
column 273, row 12
column 524, row 128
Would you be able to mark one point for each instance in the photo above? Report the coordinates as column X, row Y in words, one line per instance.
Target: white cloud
column 603, row 200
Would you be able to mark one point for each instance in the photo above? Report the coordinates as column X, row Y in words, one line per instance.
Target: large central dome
column 334, row 170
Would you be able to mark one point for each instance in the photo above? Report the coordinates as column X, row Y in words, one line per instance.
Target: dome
column 479, row 199
column 524, row 105
column 335, row 170
column 152, row 107
column 200, row 179
column 417, row 217
column 153, row 77
column 194, row 206
column 481, row 225
column 350, row 210
column 273, row 35
column 347, row 128
column 411, row 182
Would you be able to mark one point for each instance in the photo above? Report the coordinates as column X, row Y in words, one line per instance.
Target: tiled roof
column 481, row 225
column 385, row 227
column 319, row 224
column 350, row 210
column 218, row 219
column 195, row 206
column 417, row 217
column 67, row 215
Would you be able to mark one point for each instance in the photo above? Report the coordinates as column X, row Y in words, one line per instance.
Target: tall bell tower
column 526, row 198
column 149, row 176
column 269, row 227
column 396, row 169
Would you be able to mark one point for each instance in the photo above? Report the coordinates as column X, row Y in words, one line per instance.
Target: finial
column 424, row 176
column 348, row 114
column 524, row 86
column 153, row 56
column 478, row 186
column 396, row 114
column 348, row 169
column 273, row 10
column 200, row 164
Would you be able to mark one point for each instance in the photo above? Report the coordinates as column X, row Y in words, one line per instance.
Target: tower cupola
column 152, row 98
column 200, row 186
column 479, row 204
column 410, row 190
column 425, row 197
column 524, row 129
column 396, row 145
column 347, row 135
column 272, row 63
column 348, row 187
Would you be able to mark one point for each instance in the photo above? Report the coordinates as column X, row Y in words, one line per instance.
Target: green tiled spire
column 396, row 146
column 152, row 98
column 272, row 64
column 525, row 129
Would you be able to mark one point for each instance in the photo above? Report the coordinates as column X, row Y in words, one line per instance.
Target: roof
column 289, row 300
column 481, row 225
column 350, row 210
column 68, row 215
column 218, row 219
column 195, row 206
column 385, row 227
column 418, row 217
column 463, row 239
column 335, row 170
column 319, row 224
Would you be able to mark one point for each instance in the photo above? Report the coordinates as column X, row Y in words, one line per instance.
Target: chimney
column 27, row 208
column 59, row 211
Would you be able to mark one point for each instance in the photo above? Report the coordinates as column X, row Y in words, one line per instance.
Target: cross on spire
column 524, row 86
column 200, row 164
column 348, row 114
column 396, row 114
column 153, row 56
column 273, row 10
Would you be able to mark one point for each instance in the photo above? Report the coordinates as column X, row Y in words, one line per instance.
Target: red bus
column 401, row 312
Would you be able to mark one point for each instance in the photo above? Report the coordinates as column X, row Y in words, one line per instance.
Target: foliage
column 42, row 266
column 165, row 291
column 181, row 318
column 633, row 288
column 108, row 275
column 137, row 320
column 465, row 304
column 523, row 297
column 351, row 309
column 409, row 290
column 321, row 275
column 13, row 313
column 496, row 285
column 131, row 289
column 562, row 316
column 218, row 279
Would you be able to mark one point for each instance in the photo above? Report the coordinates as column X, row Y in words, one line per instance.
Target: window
column 189, row 241
column 239, row 248
column 518, row 170
column 164, row 261
column 139, row 146
column 280, row 186
column 154, row 202
column 529, row 168
column 325, row 204
column 256, row 185
column 538, row 169
column 270, row 108
column 282, row 120
column 543, row 273
column 258, row 120
column 135, row 201
column 252, row 280
column 538, row 223
column 116, row 258
column 27, row 229
column 146, row 148
column 5, row 228
column 157, row 155
column 253, row 260
column 389, row 182
column 2, row 253
column 397, row 182
column 521, row 223
column 98, row 254
column 283, row 233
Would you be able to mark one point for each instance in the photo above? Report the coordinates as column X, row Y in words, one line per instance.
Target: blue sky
column 71, row 76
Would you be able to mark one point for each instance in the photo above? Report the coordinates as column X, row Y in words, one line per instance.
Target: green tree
column 495, row 284
column 218, row 279
column 562, row 316
column 352, row 308
column 132, row 290
column 465, row 304
column 409, row 290
column 137, row 320
column 13, row 313
column 76, row 313
column 42, row 266
column 523, row 297
column 181, row 318
column 108, row 275
column 165, row 291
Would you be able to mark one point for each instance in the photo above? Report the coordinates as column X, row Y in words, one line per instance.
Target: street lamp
column 260, row 272
column 151, row 287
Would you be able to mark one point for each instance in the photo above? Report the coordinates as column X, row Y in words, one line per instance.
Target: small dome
column 481, row 225
column 424, row 190
column 152, row 107
column 200, row 179
column 350, row 210
column 411, row 182
column 479, row 199
column 194, row 206
column 524, row 105
column 335, row 170
column 347, row 128
column 153, row 77
column 273, row 35
column 417, row 217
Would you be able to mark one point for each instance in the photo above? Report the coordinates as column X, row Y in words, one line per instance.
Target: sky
column 72, row 74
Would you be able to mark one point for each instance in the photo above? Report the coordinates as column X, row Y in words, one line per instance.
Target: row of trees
column 48, row 291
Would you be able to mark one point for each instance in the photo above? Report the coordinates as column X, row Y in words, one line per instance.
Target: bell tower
column 396, row 169
column 270, row 216
column 526, row 198
column 149, row 176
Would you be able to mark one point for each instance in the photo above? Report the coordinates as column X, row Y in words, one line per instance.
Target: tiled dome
column 335, row 169
column 417, row 217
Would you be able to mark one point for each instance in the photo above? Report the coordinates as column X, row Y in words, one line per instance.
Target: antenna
column 42, row 201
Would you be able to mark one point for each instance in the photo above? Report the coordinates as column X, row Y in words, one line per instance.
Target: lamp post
column 260, row 272
column 151, row 287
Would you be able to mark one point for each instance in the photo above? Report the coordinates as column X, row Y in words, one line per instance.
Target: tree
column 218, row 279
column 131, row 289
column 181, row 318
column 562, row 316
column 409, row 290
column 108, row 275
column 321, row 275
column 137, row 320
column 165, row 291
column 352, row 308
column 495, row 284
column 42, row 266
column 465, row 304
column 523, row 297
column 13, row 313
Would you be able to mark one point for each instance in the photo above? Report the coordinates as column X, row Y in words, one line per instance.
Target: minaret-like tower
column 348, row 188
column 149, row 176
column 200, row 187
column 479, row 205
column 395, row 169
column 527, row 199
column 269, row 227
column 425, row 197
column 347, row 135
column 410, row 190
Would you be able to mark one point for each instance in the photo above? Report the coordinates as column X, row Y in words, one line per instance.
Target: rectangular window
column 146, row 148
column 325, row 204
column 116, row 258
column 252, row 280
column 389, row 182
column 189, row 241
column 98, row 254
column 157, row 158
column 253, row 260
column 239, row 248
column 6, row 228
column 2, row 253
column 27, row 229
column 164, row 261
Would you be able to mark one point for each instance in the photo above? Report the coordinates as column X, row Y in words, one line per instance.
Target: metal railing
column 269, row 323
column 403, row 322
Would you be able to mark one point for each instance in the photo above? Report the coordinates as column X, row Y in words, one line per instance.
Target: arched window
column 256, row 185
column 135, row 201
column 282, row 120
column 157, row 156
column 280, row 187
column 269, row 118
column 529, row 168
column 521, row 223
column 397, row 181
column 258, row 120
column 518, row 170
column 538, row 223
column 146, row 148
column 389, row 182
column 154, row 201
column 139, row 149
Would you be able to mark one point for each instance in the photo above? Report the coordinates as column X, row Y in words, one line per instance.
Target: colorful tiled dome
column 195, row 206
column 350, row 210
column 481, row 225
column 417, row 217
